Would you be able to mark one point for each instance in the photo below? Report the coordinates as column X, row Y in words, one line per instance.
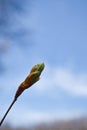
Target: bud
column 32, row 78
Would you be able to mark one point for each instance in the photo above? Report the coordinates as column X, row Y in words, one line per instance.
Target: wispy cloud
column 26, row 117
column 72, row 83
column 31, row 117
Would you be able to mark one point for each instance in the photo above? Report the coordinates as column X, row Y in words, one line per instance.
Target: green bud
column 32, row 78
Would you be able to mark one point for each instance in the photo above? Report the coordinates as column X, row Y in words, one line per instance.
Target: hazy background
column 49, row 31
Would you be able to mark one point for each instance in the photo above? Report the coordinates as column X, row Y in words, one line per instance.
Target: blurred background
column 53, row 32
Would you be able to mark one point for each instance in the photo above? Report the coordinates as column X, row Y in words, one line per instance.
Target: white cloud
column 73, row 83
column 28, row 117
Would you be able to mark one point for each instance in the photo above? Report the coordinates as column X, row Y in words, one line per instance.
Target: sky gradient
column 55, row 32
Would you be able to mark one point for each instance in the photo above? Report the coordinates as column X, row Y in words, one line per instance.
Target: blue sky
column 56, row 35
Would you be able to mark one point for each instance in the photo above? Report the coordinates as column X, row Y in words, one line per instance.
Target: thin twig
column 7, row 111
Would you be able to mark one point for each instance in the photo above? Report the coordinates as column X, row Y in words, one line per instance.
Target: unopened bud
column 32, row 78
